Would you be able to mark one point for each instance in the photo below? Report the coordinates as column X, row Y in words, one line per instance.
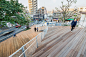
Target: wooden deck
column 60, row 42
column 10, row 45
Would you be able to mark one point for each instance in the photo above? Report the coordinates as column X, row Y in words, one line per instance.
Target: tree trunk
column 28, row 26
column 63, row 18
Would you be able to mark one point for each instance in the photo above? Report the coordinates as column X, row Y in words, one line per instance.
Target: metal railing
column 60, row 24
column 29, row 48
column 7, row 36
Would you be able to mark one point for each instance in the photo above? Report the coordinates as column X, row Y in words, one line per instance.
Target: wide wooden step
column 54, row 37
column 63, row 44
column 53, row 32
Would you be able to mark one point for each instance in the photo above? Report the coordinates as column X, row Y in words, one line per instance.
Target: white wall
column 82, row 22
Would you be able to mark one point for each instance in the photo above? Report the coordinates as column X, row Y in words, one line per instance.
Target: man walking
column 35, row 29
column 73, row 24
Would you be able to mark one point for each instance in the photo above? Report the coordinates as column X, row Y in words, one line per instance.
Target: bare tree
column 65, row 9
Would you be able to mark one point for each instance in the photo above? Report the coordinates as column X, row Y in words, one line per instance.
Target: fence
column 29, row 48
column 60, row 24
column 7, row 36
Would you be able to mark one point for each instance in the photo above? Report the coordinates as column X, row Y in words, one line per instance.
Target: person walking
column 51, row 20
column 35, row 29
column 73, row 24
column 14, row 35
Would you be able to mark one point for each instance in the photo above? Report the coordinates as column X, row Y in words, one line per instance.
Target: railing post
column 36, row 42
column 44, row 33
column 23, row 51
column 41, row 36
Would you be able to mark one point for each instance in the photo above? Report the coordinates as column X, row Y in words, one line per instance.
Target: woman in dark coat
column 73, row 24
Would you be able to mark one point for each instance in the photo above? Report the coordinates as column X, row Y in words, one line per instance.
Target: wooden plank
column 63, row 52
column 69, row 46
column 54, row 47
column 50, row 33
column 75, row 52
column 81, row 48
column 55, row 35
column 56, row 51
column 49, row 44
column 84, row 54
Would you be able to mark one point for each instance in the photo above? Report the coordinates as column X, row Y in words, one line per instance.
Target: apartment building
column 41, row 13
column 33, row 6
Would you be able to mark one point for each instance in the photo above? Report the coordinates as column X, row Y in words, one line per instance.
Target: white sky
column 51, row 4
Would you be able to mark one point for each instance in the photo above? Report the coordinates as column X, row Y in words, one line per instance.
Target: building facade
column 33, row 6
column 82, row 9
column 41, row 13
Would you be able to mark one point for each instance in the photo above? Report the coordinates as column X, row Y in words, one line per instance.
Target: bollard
column 36, row 42
column 23, row 51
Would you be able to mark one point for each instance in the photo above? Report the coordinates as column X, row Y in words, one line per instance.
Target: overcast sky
column 51, row 4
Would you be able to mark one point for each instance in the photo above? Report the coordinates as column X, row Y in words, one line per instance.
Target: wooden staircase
column 61, row 42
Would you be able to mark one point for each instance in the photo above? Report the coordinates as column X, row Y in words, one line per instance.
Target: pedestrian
column 35, row 29
column 58, row 20
column 51, row 20
column 14, row 35
column 73, row 24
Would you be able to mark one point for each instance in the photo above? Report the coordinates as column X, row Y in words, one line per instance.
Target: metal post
column 41, row 36
column 36, row 42
column 44, row 33
column 23, row 51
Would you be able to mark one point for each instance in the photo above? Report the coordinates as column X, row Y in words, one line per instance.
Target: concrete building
column 82, row 9
column 71, row 9
column 32, row 6
column 57, row 15
column 41, row 13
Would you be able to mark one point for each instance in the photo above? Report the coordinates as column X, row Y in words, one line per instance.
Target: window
column 81, row 8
